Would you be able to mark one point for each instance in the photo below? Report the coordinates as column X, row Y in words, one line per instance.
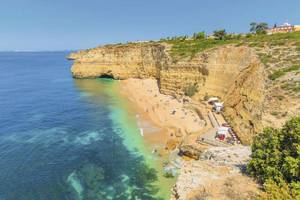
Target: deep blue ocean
column 64, row 138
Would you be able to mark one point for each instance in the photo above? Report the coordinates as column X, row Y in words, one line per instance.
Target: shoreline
column 161, row 129
column 163, row 110
column 128, row 122
column 181, row 128
column 150, row 133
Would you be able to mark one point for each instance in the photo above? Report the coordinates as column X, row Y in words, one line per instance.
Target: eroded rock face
column 191, row 151
column 244, row 102
column 119, row 61
column 215, row 176
column 234, row 74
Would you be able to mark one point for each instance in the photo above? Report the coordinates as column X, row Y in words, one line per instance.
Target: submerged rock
column 86, row 182
column 170, row 171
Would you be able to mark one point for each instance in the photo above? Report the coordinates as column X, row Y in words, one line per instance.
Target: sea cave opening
column 106, row 76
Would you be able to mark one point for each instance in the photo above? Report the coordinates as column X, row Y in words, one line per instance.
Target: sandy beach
column 175, row 118
column 167, row 122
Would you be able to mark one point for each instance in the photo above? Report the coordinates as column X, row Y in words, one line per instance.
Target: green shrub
column 168, row 175
column 199, row 36
column 188, row 48
column 249, row 35
column 220, row 34
column 292, row 68
column 276, row 192
column 190, row 90
column 278, row 42
column 292, row 86
column 276, row 160
column 276, row 75
column 265, row 58
column 183, row 47
column 275, row 113
column 283, row 71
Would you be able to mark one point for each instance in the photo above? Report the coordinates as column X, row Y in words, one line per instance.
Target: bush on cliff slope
column 188, row 48
column 276, row 161
column 199, row 36
column 283, row 71
column 190, row 90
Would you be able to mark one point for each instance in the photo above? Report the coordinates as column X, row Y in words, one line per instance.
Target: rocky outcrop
column 119, row 61
column 191, row 151
column 244, row 102
column 213, row 72
column 217, row 175
column 232, row 73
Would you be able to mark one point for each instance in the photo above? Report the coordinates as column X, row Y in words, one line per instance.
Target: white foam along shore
column 142, row 132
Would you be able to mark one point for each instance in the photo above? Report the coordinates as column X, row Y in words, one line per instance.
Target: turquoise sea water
column 62, row 138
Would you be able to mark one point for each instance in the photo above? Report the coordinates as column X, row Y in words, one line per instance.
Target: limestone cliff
column 232, row 73
column 119, row 61
column 244, row 101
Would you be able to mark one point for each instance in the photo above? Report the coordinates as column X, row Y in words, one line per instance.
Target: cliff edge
column 235, row 74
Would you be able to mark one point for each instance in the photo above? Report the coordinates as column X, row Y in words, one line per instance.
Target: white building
column 284, row 28
column 218, row 107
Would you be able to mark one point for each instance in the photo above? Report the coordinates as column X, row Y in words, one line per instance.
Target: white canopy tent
column 223, row 130
column 213, row 99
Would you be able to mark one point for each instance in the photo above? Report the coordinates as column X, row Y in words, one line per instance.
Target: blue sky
column 79, row 24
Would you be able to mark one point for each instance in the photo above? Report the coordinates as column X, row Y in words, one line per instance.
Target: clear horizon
column 58, row 25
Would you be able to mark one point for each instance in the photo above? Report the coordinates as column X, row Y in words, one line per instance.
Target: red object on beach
column 221, row 137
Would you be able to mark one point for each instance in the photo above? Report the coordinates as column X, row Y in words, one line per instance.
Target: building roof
column 217, row 104
column 223, row 130
column 213, row 99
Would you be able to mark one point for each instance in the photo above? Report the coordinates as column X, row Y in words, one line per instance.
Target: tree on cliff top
column 258, row 28
column 276, row 160
column 199, row 35
column 220, row 34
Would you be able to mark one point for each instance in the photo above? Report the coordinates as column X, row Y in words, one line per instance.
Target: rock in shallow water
column 189, row 150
